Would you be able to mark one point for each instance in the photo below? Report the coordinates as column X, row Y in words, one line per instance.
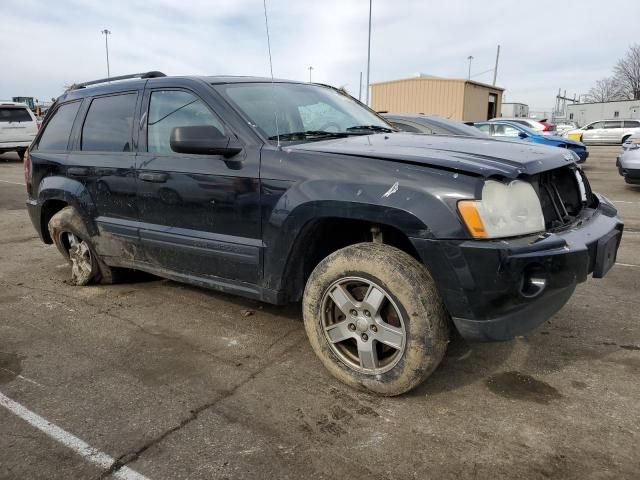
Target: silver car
column 628, row 162
column 606, row 131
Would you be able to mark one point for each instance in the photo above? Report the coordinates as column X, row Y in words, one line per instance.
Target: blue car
column 514, row 131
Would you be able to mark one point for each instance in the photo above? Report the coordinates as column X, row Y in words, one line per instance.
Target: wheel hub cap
column 363, row 325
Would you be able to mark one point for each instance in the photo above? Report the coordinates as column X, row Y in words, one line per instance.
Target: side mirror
column 522, row 135
column 202, row 140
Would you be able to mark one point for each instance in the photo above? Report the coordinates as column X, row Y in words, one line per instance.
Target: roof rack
column 153, row 74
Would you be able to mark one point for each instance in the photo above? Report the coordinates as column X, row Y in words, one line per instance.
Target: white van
column 18, row 127
column 606, row 131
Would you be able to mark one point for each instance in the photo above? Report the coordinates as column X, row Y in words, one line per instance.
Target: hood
column 485, row 157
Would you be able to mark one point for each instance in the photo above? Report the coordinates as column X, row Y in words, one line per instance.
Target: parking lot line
column 83, row 449
column 12, row 183
column 627, row 265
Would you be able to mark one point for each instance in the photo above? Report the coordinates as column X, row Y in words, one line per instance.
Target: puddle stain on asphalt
column 10, row 367
column 519, row 386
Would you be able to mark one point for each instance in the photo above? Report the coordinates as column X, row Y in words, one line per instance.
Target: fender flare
column 71, row 192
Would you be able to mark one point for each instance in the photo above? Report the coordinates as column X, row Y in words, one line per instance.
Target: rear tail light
column 27, row 170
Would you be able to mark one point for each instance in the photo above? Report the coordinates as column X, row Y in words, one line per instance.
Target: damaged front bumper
column 499, row 289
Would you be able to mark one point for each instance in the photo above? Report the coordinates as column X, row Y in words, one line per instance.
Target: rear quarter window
column 631, row 124
column 12, row 114
column 55, row 135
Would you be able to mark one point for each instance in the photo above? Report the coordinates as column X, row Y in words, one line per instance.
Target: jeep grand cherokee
column 285, row 191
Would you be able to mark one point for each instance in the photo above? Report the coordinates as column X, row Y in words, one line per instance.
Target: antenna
column 266, row 23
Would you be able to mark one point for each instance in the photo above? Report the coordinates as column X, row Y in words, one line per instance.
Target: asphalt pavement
column 154, row 379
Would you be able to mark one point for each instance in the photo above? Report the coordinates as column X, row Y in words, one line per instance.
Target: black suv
column 285, row 191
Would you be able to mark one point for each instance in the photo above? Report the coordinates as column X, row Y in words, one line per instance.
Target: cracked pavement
column 178, row 382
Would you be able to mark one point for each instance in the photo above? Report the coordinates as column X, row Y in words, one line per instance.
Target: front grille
column 561, row 197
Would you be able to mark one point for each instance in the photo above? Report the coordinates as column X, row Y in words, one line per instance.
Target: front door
column 199, row 214
column 593, row 132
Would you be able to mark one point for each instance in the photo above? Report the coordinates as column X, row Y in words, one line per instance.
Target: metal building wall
column 420, row 95
column 584, row 113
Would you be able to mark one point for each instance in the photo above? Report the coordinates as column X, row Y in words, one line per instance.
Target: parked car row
column 500, row 129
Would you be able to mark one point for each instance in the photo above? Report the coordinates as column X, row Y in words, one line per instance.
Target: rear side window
column 10, row 115
column 108, row 125
column 631, row 124
column 56, row 132
column 612, row 124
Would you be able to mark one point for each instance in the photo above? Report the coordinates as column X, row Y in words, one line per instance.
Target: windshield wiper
column 308, row 134
column 372, row 128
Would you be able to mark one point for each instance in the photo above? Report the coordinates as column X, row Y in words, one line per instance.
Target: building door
column 493, row 102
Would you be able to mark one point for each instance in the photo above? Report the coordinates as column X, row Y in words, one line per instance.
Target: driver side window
column 174, row 108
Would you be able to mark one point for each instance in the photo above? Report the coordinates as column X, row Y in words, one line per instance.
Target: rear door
column 199, row 214
column 102, row 158
column 612, row 132
column 17, row 124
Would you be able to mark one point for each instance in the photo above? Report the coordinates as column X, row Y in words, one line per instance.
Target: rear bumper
column 492, row 288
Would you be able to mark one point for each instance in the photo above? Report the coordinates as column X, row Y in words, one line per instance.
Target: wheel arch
column 313, row 231
column 56, row 193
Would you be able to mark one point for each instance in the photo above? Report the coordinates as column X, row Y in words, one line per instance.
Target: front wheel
column 375, row 319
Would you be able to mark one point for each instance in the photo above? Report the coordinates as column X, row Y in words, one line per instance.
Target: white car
column 18, row 127
column 628, row 162
column 540, row 126
column 606, row 131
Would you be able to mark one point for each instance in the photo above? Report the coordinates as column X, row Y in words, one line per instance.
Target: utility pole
column 495, row 69
column 360, row 88
column 310, row 68
column 470, row 57
column 369, row 54
column 106, row 46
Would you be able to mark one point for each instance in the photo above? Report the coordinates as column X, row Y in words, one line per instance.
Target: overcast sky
column 545, row 45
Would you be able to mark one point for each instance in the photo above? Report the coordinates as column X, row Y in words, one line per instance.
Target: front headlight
column 506, row 210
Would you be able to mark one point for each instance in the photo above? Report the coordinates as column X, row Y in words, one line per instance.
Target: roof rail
column 153, row 74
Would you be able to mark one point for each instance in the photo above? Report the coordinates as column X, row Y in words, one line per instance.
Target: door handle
column 78, row 171
column 153, row 177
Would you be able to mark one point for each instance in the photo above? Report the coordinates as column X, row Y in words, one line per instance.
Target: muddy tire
column 70, row 235
column 375, row 319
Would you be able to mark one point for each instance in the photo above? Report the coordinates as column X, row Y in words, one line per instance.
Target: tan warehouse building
column 454, row 98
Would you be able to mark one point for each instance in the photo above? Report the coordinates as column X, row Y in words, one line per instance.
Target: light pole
column 368, row 54
column 106, row 46
column 470, row 57
column 310, row 68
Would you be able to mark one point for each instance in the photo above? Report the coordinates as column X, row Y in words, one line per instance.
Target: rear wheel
column 70, row 235
column 374, row 318
column 21, row 152
column 624, row 139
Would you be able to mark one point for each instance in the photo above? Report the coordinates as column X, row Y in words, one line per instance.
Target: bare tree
column 606, row 90
column 627, row 73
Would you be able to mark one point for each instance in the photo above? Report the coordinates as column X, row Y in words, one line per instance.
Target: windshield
column 303, row 111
